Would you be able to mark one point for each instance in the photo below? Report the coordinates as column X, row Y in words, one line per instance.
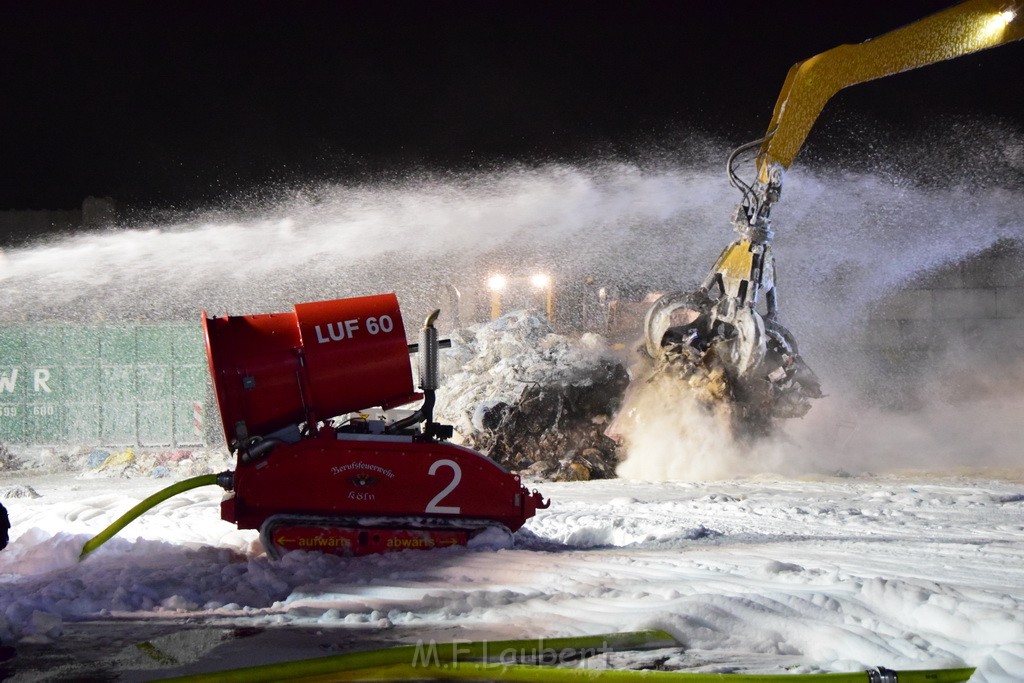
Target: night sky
column 187, row 104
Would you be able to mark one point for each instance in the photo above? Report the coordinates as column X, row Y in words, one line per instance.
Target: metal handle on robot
column 441, row 344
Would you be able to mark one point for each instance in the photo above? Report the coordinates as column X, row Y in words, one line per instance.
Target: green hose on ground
column 544, row 674
column 432, row 654
column 157, row 498
column 453, row 661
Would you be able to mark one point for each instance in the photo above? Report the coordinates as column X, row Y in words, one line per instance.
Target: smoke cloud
column 844, row 239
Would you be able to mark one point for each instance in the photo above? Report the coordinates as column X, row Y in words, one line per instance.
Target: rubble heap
column 535, row 401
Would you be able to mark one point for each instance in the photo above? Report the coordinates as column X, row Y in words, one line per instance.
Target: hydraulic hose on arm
column 223, row 479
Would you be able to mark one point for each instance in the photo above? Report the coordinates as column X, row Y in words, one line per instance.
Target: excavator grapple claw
column 724, row 339
column 746, row 362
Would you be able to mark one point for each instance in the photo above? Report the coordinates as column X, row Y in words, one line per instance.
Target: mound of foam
column 532, row 399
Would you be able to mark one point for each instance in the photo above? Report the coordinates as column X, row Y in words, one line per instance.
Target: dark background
column 186, row 104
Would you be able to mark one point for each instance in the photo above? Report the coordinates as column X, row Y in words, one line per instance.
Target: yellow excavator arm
column 722, row 334
column 962, row 29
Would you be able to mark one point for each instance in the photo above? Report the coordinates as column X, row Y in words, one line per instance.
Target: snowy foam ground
column 756, row 575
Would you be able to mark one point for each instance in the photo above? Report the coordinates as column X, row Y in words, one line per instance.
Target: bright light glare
column 540, row 281
column 995, row 24
column 497, row 282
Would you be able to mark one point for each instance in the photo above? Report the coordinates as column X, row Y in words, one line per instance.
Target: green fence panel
column 12, row 422
column 153, row 382
column 156, row 423
column 44, row 383
column 117, row 424
column 12, row 346
column 117, row 383
column 43, row 423
column 188, row 345
column 81, row 383
column 154, row 345
column 109, row 385
column 191, row 424
column 117, row 345
column 44, row 346
column 190, row 381
column 12, row 382
column 12, row 372
column 82, row 346
column 82, row 422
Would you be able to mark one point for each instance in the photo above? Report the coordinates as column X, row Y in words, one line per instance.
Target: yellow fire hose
column 154, row 500
column 542, row 674
column 433, row 654
column 453, row 661
column 442, row 660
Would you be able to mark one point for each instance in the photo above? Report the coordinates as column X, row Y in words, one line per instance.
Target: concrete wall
column 961, row 318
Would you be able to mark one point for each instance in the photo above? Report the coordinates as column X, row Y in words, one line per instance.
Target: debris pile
column 126, row 463
column 156, row 463
column 535, row 401
column 8, row 460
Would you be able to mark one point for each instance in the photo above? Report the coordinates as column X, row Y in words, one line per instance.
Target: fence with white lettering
column 111, row 385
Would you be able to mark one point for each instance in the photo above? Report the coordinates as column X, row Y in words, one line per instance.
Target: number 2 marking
column 433, row 506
